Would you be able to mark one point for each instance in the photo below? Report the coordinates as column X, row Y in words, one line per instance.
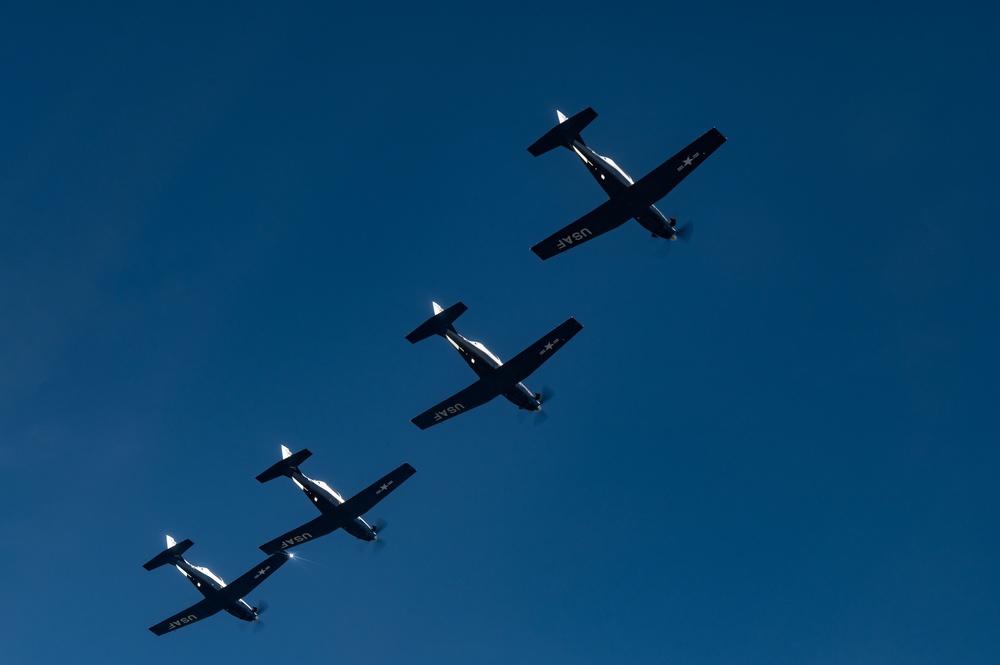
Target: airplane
column 218, row 594
column 495, row 376
column 628, row 199
column 337, row 513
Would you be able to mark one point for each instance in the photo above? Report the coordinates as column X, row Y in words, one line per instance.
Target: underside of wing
column 657, row 183
column 365, row 500
column 523, row 364
column 609, row 215
column 475, row 395
column 249, row 580
column 322, row 525
column 197, row 612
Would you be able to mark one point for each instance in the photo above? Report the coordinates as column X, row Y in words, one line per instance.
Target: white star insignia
column 687, row 162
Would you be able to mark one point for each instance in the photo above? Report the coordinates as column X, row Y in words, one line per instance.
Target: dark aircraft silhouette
column 629, row 200
column 218, row 594
column 337, row 513
column 495, row 377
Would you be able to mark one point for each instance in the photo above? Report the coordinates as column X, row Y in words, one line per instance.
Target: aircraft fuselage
column 320, row 493
column 208, row 583
column 485, row 363
column 614, row 181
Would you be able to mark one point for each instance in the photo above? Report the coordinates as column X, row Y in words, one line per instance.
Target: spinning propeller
column 378, row 527
column 543, row 397
column 681, row 232
column 258, row 625
column 684, row 232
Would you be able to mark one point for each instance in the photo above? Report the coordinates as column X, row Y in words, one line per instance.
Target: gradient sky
column 778, row 444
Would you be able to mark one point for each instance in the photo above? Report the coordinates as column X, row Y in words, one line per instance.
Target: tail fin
column 437, row 324
column 167, row 555
column 284, row 467
column 564, row 133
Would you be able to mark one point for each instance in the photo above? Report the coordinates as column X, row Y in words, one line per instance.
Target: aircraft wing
column 365, row 500
column 609, row 215
column 322, row 525
column 657, row 183
column 475, row 395
column 249, row 580
column 197, row 612
column 523, row 364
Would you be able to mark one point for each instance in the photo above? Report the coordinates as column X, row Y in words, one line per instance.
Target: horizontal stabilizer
column 285, row 466
column 167, row 555
column 564, row 133
column 437, row 324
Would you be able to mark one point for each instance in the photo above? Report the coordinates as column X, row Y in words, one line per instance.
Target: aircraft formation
column 336, row 513
column 627, row 199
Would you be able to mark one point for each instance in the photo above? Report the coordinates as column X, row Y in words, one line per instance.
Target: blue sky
column 777, row 444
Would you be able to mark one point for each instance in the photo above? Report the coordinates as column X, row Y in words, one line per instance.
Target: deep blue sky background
column 777, row 445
